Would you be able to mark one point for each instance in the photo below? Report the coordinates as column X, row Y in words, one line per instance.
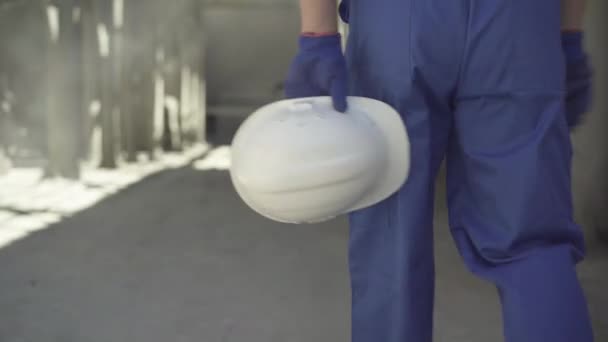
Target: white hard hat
column 300, row 161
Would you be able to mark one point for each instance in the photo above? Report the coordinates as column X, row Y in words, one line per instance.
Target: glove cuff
column 320, row 42
column 317, row 34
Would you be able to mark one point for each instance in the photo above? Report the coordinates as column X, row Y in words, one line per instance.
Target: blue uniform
column 480, row 84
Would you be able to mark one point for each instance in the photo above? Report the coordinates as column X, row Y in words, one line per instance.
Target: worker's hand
column 578, row 77
column 319, row 69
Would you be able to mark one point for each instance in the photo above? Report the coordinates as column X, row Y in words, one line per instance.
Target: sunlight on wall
column 52, row 13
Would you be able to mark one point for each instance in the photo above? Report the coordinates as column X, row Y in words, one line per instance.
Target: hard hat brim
column 396, row 171
column 387, row 132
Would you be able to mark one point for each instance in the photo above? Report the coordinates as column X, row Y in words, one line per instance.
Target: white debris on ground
column 218, row 159
column 29, row 202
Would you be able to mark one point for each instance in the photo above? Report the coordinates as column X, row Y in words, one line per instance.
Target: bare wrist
column 319, row 16
column 573, row 15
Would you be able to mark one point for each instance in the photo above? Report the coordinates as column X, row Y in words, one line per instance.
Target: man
column 490, row 86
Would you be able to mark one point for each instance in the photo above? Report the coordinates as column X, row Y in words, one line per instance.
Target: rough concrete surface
column 590, row 156
column 179, row 257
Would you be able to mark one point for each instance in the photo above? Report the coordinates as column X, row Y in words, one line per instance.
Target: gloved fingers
column 572, row 45
column 579, row 76
column 338, row 91
column 319, row 69
column 344, row 10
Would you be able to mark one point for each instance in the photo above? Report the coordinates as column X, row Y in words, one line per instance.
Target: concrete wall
column 249, row 48
column 591, row 140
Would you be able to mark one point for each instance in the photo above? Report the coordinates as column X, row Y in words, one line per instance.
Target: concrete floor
column 178, row 257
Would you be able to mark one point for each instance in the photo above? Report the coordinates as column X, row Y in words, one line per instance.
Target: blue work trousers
column 479, row 84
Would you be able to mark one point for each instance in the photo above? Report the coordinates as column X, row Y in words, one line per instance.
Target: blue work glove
column 578, row 77
column 319, row 69
column 344, row 10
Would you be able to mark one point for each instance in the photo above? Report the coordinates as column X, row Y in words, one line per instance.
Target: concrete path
column 179, row 258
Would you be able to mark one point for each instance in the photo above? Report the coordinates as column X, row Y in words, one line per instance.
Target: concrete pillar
column 63, row 89
column 90, row 74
